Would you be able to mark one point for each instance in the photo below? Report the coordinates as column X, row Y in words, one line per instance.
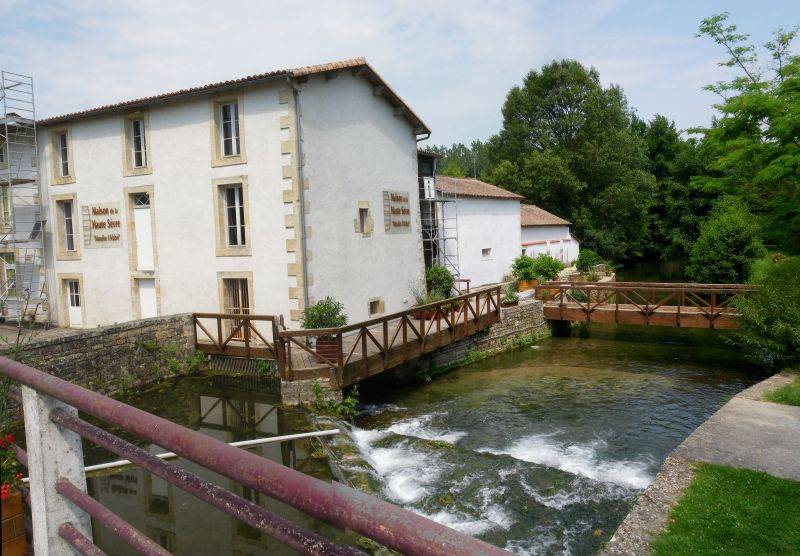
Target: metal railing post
column 53, row 453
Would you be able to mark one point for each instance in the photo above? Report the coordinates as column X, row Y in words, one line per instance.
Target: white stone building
column 546, row 233
column 260, row 195
column 488, row 222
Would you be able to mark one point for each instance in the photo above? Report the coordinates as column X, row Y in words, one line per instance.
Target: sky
column 452, row 61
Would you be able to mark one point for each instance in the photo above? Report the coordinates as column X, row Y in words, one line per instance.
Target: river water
column 538, row 451
column 543, row 450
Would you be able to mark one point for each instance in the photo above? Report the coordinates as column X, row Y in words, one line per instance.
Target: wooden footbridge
column 685, row 305
column 355, row 351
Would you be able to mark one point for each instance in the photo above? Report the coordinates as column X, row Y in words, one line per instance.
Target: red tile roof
column 470, row 187
column 531, row 215
column 353, row 63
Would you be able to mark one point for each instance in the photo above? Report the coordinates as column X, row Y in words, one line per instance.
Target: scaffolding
column 439, row 218
column 23, row 284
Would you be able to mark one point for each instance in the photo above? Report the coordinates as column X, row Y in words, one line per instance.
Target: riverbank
column 747, row 432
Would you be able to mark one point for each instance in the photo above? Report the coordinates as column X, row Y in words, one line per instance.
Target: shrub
column 770, row 332
column 587, row 260
column 523, row 269
column 325, row 313
column 727, row 246
column 10, row 473
column 439, row 281
column 547, row 267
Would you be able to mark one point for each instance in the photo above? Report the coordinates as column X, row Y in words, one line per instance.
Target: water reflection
column 222, row 408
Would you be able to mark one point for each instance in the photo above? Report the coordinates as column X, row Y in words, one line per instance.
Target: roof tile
column 470, row 187
column 531, row 215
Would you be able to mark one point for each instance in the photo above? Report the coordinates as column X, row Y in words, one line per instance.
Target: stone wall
column 112, row 358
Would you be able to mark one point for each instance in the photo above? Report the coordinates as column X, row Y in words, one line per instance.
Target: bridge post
column 53, row 453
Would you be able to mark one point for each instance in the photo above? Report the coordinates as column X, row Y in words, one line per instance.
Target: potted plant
column 439, row 281
column 14, row 541
column 424, row 297
column 510, row 297
column 326, row 313
column 523, row 270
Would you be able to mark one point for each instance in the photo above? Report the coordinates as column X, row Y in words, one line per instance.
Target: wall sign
column 102, row 225
column 396, row 212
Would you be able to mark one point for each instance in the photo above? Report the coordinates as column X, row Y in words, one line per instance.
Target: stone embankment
column 747, row 432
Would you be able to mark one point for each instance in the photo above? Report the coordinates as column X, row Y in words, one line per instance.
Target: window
column 69, row 229
column 234, row 216
column 2, row 153
column 5, row 205
column 63, row 154
column 138, row 144
column 73, row 293
column 9, row 273
column 363, row 219
column 376, row 307
column 486, row 252
column 229, row 116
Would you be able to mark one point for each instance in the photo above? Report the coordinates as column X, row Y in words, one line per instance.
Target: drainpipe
column 301, row 186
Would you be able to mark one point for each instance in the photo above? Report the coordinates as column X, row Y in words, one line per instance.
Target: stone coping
column 83, row 334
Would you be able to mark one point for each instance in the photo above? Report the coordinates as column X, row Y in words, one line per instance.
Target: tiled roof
column 353, row 63
column 531, row 215
column 470, row 187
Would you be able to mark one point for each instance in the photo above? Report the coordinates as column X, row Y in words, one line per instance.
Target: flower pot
column 328, row 348
column 509, row 303
column 427, row 314
column 14, row 541
column 525, row 285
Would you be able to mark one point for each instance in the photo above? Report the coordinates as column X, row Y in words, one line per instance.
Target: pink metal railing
column 334, row 503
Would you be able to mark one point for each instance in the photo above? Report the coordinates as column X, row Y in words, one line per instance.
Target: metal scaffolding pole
column 23, row 284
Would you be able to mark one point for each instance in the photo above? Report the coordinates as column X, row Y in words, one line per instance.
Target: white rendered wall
column 355, row 148
column 487, row 224
column 555, row 241
column 183, row 210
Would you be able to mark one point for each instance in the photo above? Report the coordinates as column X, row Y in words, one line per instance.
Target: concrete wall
column 355, row 149
column 117, row 357
column 487, row 224
column 555, row 241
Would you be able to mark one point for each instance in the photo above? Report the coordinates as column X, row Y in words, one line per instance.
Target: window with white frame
column 138, row 144
column 229, row 128
column 63, row 153
column 234, row 215
column 67, row 225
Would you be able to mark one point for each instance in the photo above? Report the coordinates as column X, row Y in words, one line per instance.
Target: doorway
column 72, row 289
column 148, row 303
column 237, row 302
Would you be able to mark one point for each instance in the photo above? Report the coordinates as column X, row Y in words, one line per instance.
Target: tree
column 754, row 146
column 568, row 144
column 770, row 331
column 729, row 242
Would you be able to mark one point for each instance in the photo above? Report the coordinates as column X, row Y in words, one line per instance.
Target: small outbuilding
column 546, row 233
column 488, row 223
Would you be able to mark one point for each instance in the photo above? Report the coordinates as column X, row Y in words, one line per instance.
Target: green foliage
column 452, row 168
column 788, row 395
column 439, row 281
column 325, row 313
column 523, row 268
column 266, row 370
column 195, row 363
column 460, row 160
column 753, row 149
column 733, row 511
column 587, row 260
column 547, row 267
column 770, row 329
column 346, row 410
column 10, row 472
column 729, row 242
column 509, row 294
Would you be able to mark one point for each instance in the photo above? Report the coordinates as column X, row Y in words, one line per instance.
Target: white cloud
column 452, row 61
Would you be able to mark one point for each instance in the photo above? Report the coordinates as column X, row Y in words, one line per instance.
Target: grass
column 734, row 511
column 789, row 394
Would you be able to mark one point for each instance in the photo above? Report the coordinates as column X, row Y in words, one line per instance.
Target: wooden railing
column 385, row 341
column 670, row 304
column 238, row 335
